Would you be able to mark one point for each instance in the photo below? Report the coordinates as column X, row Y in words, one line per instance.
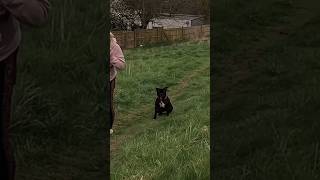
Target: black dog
column 162, row 103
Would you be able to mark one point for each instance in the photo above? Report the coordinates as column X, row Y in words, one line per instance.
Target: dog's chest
column 161, row 104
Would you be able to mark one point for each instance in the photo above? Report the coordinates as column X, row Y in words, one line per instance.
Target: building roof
column 170, row 23
column 173, row 21
column 187, row 17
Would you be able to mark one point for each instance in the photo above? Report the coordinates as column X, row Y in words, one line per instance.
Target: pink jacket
column 117, row 61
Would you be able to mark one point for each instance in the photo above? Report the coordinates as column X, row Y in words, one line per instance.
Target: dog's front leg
column 155, row 114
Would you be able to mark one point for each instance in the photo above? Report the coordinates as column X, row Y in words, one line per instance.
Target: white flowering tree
column 122, row 17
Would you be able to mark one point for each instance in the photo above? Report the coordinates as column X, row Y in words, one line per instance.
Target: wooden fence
column 132, row 39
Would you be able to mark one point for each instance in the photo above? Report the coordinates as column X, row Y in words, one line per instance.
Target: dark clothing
column 112, row 114
column 7, row 81
column 14, row 12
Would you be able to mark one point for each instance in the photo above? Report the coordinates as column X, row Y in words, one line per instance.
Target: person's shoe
column 111, row 131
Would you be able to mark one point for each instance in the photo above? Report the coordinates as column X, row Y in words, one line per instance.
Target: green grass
column 158, row 66
column 267, row 92
column 59, row 116
column 174, row 147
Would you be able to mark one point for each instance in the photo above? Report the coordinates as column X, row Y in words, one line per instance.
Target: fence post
column 161, row 34
column 134, row 39
column 157, row 35
column 201, row 32
column 182, row 38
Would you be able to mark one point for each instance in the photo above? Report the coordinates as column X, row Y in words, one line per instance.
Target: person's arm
column 117, row 57
column 30, row 12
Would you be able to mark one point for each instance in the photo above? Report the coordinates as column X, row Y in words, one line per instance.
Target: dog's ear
column 157, row 89
column 166, row 88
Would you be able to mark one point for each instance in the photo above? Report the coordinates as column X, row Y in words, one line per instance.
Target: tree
column 200, row 7
column 122, row 17
column 145, row 9
column 205, row 8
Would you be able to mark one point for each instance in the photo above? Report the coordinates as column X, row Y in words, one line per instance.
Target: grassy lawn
column 59, row 116
column 267, row 90
column 174, row 147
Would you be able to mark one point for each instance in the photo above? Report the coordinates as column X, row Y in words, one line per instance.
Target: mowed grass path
column 174, row 147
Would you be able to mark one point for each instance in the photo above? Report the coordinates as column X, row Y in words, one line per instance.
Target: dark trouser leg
column 112, row 114
column 3, row 160
column 7, row 81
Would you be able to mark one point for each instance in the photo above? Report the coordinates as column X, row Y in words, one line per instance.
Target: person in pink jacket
column 117, row 62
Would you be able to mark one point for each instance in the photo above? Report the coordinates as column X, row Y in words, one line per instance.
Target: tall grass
column 59, row 115
column 265, row 123
column 174, row 147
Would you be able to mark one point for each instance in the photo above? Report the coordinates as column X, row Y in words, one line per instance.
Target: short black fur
column 162, row 103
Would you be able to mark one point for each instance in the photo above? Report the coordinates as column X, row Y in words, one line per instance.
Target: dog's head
column 162, row 93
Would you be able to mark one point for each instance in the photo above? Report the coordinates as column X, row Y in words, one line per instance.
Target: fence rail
column 132, row 39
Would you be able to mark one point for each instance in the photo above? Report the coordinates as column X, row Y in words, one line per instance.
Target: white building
column 176, row 21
